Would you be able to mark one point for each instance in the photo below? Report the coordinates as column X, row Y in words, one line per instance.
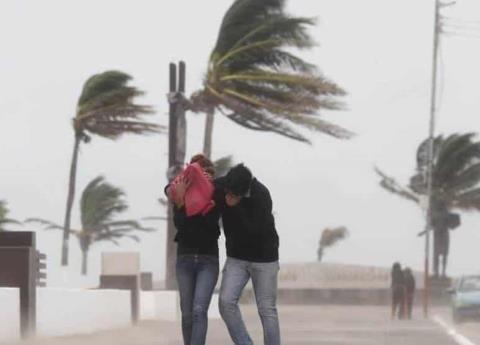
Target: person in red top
column 197, row 266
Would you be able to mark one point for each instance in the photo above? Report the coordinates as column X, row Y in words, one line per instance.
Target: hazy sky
column 378, row 50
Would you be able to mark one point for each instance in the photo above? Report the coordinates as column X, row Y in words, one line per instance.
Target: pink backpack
column 198, row 197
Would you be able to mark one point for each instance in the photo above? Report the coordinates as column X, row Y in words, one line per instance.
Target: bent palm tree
column 455, row 186
column 106, row 108
column 100, row 205
column 4, row 220
column 329, row 238
column 257, row 82
column 223, row 165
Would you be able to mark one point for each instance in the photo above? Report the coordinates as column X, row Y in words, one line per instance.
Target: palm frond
column 106, row 107
column 457, row 154
column 237, row 22
column 154, row 218
column 456, row 173
column 287, row 81
column 4, row 219
column 48, row 225
column 388, row 183
column 330, row 237
column 276, row 59
column 100, row 203
column 223, row 165
column 127, row 225
column 261, row 83
column 99, row 84
column 469, row 200
column 464, row 180
column 423, row 152
column 251, row 117
column 114, row 237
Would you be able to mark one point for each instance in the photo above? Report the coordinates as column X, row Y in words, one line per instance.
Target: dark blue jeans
column 197, row 276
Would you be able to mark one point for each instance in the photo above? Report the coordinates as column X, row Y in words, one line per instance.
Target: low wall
column 9, row 314
column 159, row 305
column 345, row 296
column 319, row 275
column 63, row 312
column 75, row 311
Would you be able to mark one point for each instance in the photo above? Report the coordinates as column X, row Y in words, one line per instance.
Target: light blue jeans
column 236, row 274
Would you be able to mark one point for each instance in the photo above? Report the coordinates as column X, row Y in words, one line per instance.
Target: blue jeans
column 264, row 279
column 197, row 276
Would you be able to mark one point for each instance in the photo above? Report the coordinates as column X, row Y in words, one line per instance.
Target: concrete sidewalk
column 301, row 325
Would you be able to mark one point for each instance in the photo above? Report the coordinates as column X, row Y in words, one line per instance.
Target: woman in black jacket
column 197, row 266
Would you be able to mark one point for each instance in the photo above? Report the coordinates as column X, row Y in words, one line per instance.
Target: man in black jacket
column 252, row 252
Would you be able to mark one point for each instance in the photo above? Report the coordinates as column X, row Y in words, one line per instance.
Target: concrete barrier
column 63, row 311
column 9, row 314
column 159, row 305
column 70, row 311
column 121, row 270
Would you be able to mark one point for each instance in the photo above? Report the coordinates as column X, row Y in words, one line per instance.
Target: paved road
column 467, row 333
column 319, row 325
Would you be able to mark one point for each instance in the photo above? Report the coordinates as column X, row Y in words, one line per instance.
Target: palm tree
column 4, row 220
column 455, row 186
column 254, row 79
column 329, row 238
column 106, row 108
column 223, row 165
column 100, row 205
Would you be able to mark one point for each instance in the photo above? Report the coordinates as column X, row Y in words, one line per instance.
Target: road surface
column 302, row 325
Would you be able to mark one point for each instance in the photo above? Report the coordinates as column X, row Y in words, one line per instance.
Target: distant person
column 252, row 253
column 409, row 291
column 398, row 291
column 197, row 266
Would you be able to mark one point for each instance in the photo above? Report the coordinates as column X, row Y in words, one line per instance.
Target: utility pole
column 176, row 158
column 431, row 138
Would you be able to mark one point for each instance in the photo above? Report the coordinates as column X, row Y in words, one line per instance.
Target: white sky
column 378, row 50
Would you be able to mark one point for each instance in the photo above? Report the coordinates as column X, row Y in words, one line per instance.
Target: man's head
column 237, row 184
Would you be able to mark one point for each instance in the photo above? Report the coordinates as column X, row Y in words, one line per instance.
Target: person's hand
column 232, row 200
column 180, row 190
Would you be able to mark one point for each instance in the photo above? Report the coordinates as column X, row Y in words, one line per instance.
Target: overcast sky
column 378, row 50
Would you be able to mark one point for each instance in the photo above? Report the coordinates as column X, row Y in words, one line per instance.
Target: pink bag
column 198, row 196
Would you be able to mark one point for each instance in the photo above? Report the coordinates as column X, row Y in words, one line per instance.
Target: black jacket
column 410, row 282
column 249, row 227
column 196, row 235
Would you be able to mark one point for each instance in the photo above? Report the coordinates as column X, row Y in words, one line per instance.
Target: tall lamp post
column 433, row 108
column 433, row 98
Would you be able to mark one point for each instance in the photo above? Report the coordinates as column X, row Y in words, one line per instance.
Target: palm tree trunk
column 84, row 262
column 70, row 198
column 320, row 254
column 207, row 138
